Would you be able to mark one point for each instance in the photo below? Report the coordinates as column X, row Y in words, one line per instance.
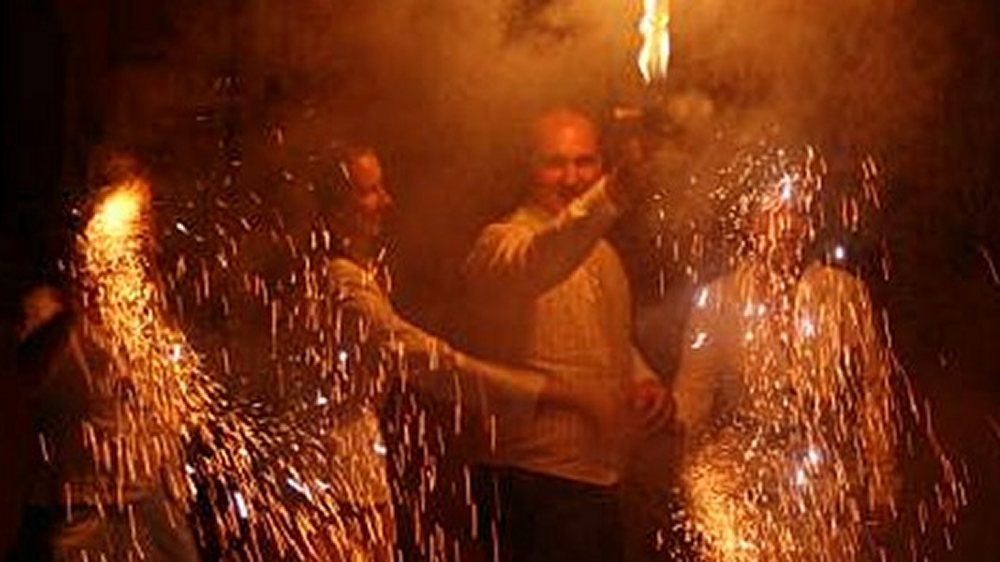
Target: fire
column 117, row 216
column 654, row 26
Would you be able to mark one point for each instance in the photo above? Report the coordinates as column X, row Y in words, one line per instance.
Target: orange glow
column 654, row 57
column 118, row 214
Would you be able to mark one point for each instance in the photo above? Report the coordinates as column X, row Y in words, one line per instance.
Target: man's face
column 369, row 198
column 566, row 160
column 781, row 225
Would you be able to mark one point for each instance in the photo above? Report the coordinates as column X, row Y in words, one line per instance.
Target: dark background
column 222, row 97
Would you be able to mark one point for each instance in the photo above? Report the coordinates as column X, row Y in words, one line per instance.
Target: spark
column 808, row 328
column 813, row 456
column 786, row 187
column 989, row 262
column 176, row 352
column 241, row 506
column 701, row 301
column 177, row 403
column 699, row 340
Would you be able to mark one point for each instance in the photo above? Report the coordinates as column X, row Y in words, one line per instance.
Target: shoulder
column 521, row 218
column 825, row 278
column 834, row 289
column 520, row 223
column 716, row 293
column 343, row 268
column 346, row 275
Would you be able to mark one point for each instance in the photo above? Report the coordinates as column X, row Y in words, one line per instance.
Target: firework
column 792, row 397
column 273, row 477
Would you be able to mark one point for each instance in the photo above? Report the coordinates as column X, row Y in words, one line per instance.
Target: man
column 784, row 393
column 90, row 498
column 550, row 294
column 394, row 356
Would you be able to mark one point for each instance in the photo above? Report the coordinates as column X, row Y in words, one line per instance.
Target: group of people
column 563, row 399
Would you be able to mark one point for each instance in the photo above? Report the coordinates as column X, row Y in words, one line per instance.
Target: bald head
column 552, row 126
column 565, row 158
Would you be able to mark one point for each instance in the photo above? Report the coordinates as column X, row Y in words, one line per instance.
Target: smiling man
column 549, row 294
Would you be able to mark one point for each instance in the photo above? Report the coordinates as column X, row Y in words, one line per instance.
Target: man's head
column 778, row 219
column 366, row 200
column 566, row 158
column 341, row 192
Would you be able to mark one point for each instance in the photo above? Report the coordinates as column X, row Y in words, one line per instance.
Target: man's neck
column 363, row 250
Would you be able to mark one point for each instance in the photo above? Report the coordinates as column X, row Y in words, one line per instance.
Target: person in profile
column 784, row 389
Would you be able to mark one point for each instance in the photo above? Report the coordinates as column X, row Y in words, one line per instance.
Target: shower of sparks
column 115, row 277
column 279, row 468
column 654, row 56
column 805, row 464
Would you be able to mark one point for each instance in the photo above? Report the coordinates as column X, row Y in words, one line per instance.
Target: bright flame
column 117, row 216
column 655, row 29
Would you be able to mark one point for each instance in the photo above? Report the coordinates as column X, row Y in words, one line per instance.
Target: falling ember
column 654, row 56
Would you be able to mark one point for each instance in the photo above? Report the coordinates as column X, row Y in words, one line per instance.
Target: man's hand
column 632, row 179
column 653, row 404
column 602, row 402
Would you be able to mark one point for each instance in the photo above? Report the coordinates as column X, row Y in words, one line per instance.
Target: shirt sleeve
column 875, row 387
column 512, row 395
column 698, row 377
column 640, row 369
column 360, row 296
column 514, row 256
column 449, row 375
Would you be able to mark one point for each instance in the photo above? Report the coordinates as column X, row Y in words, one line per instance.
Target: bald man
column 548, row 293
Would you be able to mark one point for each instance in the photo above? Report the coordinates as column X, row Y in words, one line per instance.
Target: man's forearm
column 514, row 256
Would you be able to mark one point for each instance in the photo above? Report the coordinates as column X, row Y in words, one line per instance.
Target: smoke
column 239, row 92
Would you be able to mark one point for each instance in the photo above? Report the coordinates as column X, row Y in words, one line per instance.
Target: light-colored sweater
column 549, row 294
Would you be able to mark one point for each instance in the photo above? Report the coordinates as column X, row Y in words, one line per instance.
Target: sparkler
column 276, row 468
column 804, row 465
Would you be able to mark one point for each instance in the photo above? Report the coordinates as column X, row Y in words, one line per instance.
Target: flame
column 117, row 216
column 654, row 26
